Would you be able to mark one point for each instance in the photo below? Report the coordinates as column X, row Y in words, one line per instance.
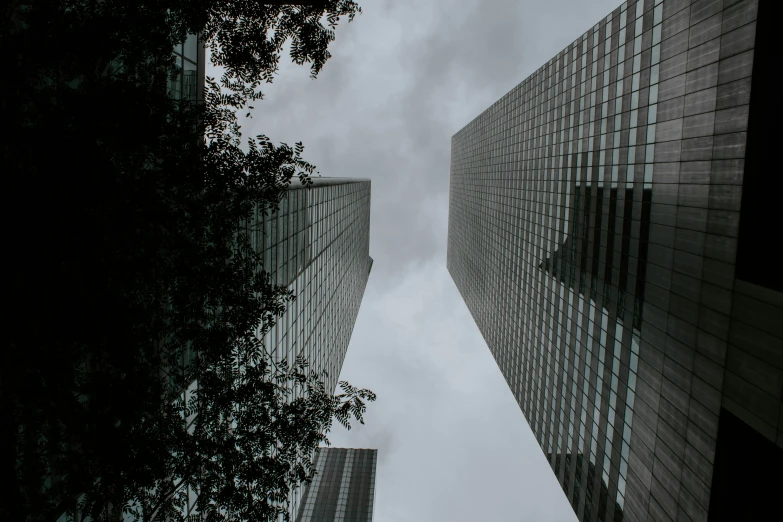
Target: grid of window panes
column 183, row 84
column 317, row 243
column 548, row 223
column 343, row 489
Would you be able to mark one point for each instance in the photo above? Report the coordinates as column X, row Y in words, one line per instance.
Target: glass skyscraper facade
column 607, row 232
column 343, row 489
column 318, row 244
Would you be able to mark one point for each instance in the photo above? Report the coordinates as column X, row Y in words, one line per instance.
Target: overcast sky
column 404, row 77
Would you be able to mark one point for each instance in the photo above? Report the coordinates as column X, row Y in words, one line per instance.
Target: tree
column 249, row 442
column 127, row 255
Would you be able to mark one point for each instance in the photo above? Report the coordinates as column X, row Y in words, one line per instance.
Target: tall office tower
column 610, row 229
column 318, row 244
column 344, row 488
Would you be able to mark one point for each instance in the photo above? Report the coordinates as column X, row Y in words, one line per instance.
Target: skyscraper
column 318, row 244
column 344, row 488
column 609, row 230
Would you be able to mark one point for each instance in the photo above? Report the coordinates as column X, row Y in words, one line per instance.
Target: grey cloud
column 454, row 442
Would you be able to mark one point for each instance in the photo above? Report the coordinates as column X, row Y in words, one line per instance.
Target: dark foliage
column 126, row 256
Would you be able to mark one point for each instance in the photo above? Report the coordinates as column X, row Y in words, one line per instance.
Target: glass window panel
column 654, row 74
column 189, row 80
column 648, row 168
column 653, row 96
column 656, row 54
column 191, row 48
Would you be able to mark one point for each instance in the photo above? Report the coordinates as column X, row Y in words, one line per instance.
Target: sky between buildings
column 404, row 77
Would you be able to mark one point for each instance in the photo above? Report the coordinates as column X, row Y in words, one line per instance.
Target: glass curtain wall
column 184, row 82
column 593, row 226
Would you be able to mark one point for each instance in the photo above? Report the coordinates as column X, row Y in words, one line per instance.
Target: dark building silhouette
column 343, row 490
column 317, row 244
column 613, row 230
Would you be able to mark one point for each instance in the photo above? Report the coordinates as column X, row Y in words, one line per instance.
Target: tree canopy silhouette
column 130, row 270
